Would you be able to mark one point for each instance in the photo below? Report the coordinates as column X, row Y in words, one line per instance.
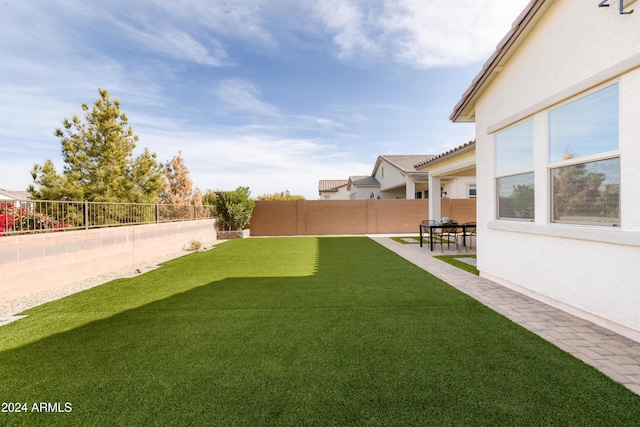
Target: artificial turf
column 454, row 260
column 293, row 331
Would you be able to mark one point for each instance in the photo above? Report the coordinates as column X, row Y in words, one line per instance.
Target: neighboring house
column 451, row 174
column 399, row 178
column 333, row 189
column 6, row 195
column 558, row 160
column 363, row 187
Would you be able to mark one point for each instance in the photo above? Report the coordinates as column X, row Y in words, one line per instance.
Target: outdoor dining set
column 448, row 231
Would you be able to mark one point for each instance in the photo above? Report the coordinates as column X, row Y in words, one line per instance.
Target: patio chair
column 449, row 230
column 425, row 228
column 429, row 222
column 468, row 233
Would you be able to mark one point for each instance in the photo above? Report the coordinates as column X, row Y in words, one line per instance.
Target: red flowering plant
column 13, row 219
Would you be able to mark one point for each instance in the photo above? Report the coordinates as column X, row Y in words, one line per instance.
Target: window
column 514, row 148
column 419, row 195
column 514, row 172
column 588, row 125
column 583, row 144
column 471, row 191
column 587, row 192
column 515, row 197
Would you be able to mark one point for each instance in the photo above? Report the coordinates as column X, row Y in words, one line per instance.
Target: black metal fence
column 40, row 216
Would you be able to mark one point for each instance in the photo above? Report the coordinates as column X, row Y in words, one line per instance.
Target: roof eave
column 464, row 111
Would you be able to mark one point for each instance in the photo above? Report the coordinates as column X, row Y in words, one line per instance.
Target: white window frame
column 590, row 158
column 500, row 173
column 475, row 189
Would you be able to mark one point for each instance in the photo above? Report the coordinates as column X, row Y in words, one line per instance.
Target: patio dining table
column 434, row 225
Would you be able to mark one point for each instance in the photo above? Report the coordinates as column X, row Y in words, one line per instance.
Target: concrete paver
column 612, row 354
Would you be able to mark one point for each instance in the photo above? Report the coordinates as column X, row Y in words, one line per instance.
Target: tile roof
column 365, row 180
column 523, row 23
column 331, row 185
column 17, row 195
column 405, row 163
column 471, row 145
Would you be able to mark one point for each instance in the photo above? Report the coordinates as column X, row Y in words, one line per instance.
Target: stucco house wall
column 341, row 194
column 361, row 192
column 591, row 271
column 389, row 177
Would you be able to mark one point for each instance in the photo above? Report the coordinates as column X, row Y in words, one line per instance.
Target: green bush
column 234, row 209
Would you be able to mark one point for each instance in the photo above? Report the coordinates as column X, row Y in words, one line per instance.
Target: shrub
column 23, row 220
column 194, row 245
column 234, row 208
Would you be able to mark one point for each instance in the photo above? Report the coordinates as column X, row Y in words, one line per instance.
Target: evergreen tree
column 99, row 161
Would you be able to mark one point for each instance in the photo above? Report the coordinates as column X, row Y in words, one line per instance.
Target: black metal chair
column 427, row 223
column 468, row 233
column 449, row 230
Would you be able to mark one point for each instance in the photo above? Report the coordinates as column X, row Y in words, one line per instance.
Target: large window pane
column 587, row 192
column 588, row 125
column 516, row 196
column 514, row 148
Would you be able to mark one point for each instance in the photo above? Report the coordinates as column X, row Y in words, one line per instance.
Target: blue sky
column 270, row 94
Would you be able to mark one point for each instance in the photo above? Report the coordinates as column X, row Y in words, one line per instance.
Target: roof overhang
column 464, row 111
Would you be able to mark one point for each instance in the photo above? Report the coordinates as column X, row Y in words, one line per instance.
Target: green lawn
column 293, row 331
column 455, row 261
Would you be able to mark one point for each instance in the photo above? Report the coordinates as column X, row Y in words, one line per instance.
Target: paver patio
column 614, row 355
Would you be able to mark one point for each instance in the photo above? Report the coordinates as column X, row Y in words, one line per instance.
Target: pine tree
column 99, row 161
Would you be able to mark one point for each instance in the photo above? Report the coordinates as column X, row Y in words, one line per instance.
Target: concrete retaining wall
column 34, row 263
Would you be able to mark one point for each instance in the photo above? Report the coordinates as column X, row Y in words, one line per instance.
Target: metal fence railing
column 41, row 216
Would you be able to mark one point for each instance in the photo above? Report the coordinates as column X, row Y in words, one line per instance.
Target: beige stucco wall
column 361, row 192
column 588, row 270
column 341, row 194
column 389, row 178
column 38, row 262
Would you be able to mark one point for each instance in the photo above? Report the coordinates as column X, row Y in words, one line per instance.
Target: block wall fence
column 330, row 217
column 38, row 262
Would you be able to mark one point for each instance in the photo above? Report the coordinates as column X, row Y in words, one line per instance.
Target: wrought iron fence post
column 157, row 213
column 195, row 212
column 86, row 214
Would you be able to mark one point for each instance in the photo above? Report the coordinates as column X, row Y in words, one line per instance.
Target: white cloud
column 178, row 44
column 221, row 159
column 238, row 19
column 420, row 33
column 349, row 27
column 243, row 97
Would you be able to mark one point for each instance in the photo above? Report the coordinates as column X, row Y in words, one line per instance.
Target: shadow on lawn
column 354, row 335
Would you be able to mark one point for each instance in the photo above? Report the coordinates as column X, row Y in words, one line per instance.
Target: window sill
column 613, row 235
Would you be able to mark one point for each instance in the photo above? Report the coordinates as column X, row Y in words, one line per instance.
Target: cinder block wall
column 38, row 262
column 461, row 210
column 371, row 216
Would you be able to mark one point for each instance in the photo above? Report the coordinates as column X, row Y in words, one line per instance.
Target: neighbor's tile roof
column 406, row 163
column 331, row 185
column 464, row 109
column 365, row 180
column 453, row 152
column 18, row 195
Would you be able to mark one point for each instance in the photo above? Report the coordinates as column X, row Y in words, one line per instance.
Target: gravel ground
column 18, row 305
